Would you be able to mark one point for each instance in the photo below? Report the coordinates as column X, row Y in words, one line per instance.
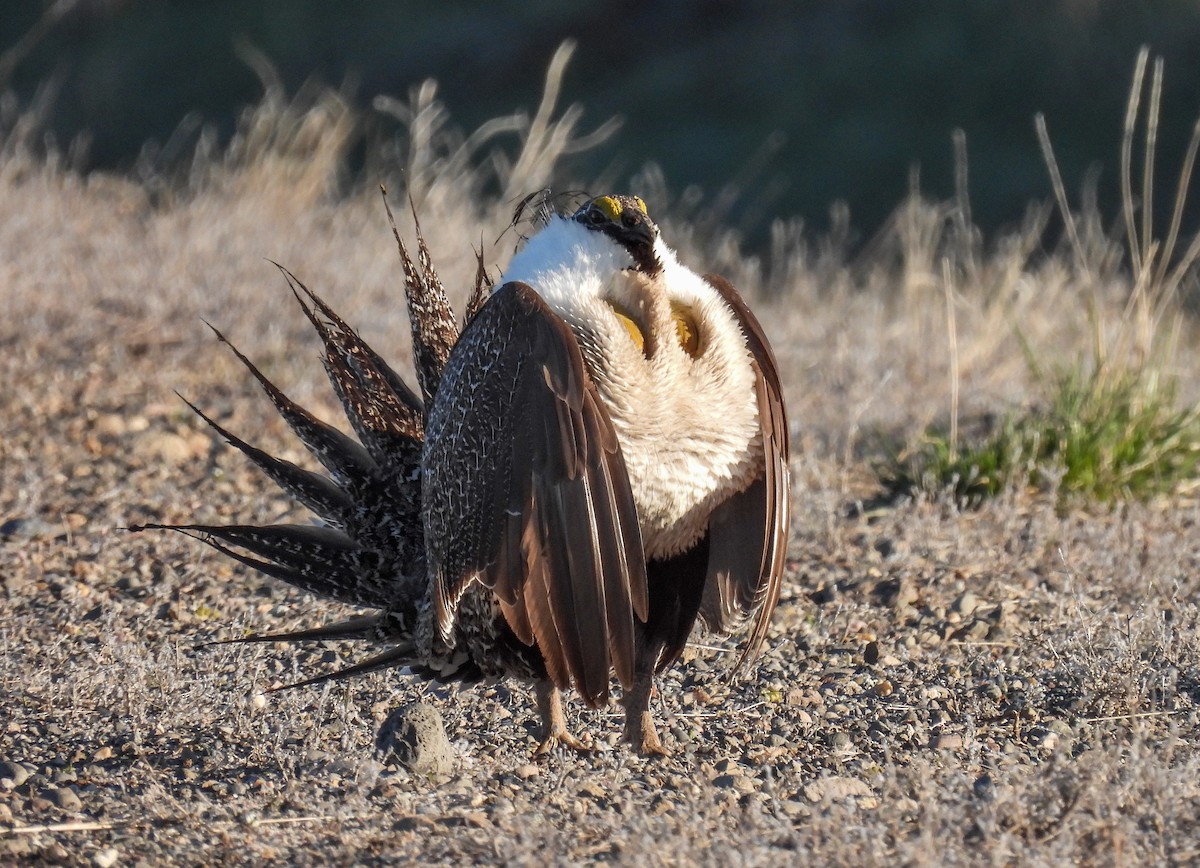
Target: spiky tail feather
column 371, row 553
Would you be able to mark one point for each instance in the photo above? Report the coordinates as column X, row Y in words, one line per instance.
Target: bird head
column 626, row 221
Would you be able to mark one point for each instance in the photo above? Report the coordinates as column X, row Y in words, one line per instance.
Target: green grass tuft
column 1112, row 428
column 1104, row 436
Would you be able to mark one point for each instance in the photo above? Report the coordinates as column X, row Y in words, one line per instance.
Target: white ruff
column 688, row 426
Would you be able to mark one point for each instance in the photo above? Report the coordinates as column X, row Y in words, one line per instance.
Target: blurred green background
column 812, row 101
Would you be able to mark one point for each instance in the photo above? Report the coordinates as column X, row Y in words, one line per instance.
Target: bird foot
column 640, row 732
column 555, row 722
column 553, row 739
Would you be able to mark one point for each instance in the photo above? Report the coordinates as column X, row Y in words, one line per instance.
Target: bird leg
column 549, row 701
column 639, row 723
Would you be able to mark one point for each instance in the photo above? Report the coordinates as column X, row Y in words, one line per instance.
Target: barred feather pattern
column 369, row 550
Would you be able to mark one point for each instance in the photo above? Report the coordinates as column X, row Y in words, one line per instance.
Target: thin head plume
column 483, row 286
column 534, row 210
column 538, row 205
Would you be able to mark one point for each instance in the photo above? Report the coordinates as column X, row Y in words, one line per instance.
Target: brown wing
column 748, row 533
column 525, row 491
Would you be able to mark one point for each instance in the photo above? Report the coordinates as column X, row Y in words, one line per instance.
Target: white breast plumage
column 688, row 425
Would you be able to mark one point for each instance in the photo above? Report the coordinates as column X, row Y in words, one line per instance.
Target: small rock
column 18, row 848
column 840, row 741
column 15, row 772
column 416, row 736
column 967, row 603
column 946, row 741
column 826, row 593
column 166, row 446
column 478, row 819
column 839, row 789
column 414, row 823
column 105, row 858
column 62, row 797
column 27, row 528
column 984, row 788
column 527, row 771
column 976, row 631
column 110, row 425
column 594, row 790
column 906, row 596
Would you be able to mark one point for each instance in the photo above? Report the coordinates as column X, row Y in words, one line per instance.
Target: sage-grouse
column 597, row 460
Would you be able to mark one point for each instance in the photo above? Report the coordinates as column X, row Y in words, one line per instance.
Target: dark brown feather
column 387, row 417
column 343, row 456
column 314, row 490
column 434, row 328
column 748, row 533
column 520, row 431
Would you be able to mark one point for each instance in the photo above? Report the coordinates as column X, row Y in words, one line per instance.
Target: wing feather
column 749, row 532
column 526, row 493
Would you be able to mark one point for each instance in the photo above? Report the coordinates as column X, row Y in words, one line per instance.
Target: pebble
column 946, row 741
column 106, row 858
column 27, row 528
column 840, row 741
column 840, row 789
column 984, row 788
column 966, row 603
column 62, row 797
column 18, row 848
column 14, row 772
column 166, row 446
column 416, row 736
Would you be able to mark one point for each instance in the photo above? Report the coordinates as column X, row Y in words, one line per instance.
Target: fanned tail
column 401, row 655
column 319, row 493
column 370, row 550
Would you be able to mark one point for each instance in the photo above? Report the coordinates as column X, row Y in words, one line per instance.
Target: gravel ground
column 1018, row 683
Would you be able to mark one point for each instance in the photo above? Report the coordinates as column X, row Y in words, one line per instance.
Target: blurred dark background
column 807, row 103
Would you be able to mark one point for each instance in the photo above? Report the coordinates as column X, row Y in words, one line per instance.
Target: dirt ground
column 1014, row 684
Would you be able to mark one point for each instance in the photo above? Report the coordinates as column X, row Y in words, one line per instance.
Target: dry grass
column 1105, row 422
column 1043, row 692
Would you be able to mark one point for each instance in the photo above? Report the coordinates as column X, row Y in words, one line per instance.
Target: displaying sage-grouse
column 599, row 458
